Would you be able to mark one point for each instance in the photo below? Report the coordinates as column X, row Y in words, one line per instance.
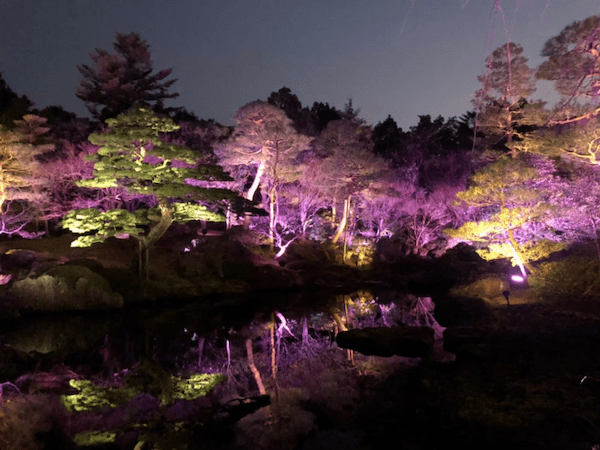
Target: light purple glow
column 517, row 278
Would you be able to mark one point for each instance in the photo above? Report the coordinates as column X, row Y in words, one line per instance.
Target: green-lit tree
column 133, row 157
column 507, row 197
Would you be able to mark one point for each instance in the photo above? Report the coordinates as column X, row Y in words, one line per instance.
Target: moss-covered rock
column 63, row 288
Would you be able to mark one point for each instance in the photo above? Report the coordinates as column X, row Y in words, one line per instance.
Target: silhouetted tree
column 12, row 105
column 323, row 114
column 118, row 81
column 573, row 60
column 388, row 140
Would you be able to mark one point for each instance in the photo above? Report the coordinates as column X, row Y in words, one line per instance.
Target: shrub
column 574, row 275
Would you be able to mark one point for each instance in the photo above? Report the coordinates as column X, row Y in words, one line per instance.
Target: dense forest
column 514, row 177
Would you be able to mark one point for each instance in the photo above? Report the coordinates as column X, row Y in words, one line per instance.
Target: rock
column 63, row 288
column 459, row 311
column 412, row 342
column 462, row 262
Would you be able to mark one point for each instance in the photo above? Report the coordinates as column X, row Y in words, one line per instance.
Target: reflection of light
column 517, row 278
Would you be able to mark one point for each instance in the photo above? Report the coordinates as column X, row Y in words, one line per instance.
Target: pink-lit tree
column 348, row 165
column 264, row 140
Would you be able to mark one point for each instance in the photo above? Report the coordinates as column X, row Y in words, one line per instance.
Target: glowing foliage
column 507, row 199
column 21, row 174
column 93, row 397
column 133, row 157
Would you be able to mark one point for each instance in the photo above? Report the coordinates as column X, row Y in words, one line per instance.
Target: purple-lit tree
column 265, row 140
column 349, row 165
column 117, row 81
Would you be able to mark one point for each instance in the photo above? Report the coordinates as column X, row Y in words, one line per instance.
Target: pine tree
column 502, row 100
column 506, row 196
column 133, row 157
column 266, row 140
column 118, row 81
column 573, row 60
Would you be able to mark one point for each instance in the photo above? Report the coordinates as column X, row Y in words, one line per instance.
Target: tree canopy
column 117, row 81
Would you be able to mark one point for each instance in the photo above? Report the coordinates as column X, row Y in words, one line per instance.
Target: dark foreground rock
column 412, row 342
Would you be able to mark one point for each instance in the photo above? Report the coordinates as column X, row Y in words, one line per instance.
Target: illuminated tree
column 133, row 157
column 506, row 85
column 22, row 178
column 506, row 197
column 573, row 60
column 349, row 165
column 117, row 81
column 264, row 140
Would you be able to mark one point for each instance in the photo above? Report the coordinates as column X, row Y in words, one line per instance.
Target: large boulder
column 63, row 288
column 412, row 342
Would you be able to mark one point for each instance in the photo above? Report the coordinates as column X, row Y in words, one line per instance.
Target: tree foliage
column 573, row 60
column 133, row 157
column 506, row 197
column 117, row 81
column 265, row 140
column 502, row 100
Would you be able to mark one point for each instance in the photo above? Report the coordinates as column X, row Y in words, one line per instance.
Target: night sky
column 398, row 57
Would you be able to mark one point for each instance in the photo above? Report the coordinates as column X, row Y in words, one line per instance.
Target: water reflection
column 282, row 346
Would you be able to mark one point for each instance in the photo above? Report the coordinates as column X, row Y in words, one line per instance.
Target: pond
column 271, row 366
column 265, row 371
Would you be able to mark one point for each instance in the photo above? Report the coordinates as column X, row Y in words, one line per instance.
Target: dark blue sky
column 397, row 57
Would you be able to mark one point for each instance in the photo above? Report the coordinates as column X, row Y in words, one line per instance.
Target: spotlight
column 517, row 278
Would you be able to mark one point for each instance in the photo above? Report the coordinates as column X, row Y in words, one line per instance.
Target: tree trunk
column 157, row 231
column 252, row 191
column 519, row 256
column 342, row 226
column 253, row 369
column 272, row 214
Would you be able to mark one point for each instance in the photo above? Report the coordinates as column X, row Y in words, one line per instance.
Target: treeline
column 514, row 177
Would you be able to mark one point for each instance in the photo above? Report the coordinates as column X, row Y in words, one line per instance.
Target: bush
column 574, row 275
